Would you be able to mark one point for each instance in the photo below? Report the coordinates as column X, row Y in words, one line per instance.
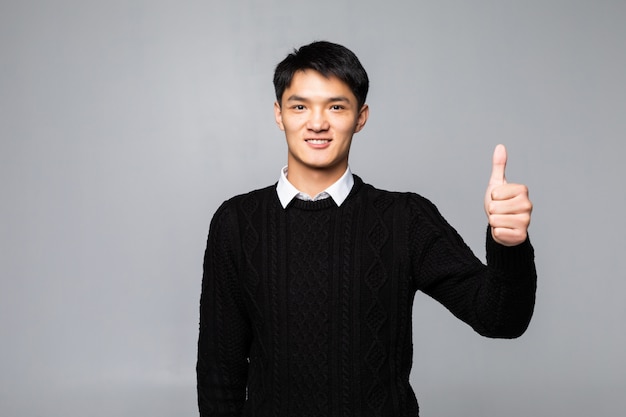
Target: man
column 308, row 284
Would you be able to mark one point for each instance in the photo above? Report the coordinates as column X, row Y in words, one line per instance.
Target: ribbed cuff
column 516, row 258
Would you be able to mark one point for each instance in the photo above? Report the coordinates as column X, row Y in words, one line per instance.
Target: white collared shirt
column 338, row 191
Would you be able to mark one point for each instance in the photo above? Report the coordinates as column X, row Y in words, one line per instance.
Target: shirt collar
column 338, row 191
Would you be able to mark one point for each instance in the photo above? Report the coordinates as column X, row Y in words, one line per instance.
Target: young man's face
column 319, row 115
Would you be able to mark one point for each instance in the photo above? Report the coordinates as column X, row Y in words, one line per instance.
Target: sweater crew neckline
column 325, row 203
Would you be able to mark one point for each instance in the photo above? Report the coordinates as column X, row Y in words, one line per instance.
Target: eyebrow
column 296, row 97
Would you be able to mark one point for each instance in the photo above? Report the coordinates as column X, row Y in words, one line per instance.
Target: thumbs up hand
column 507, row 205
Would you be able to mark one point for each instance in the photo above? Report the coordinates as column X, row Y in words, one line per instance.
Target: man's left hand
column 507, row 205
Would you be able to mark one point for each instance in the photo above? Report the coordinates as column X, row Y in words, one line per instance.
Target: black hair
column 329, row 59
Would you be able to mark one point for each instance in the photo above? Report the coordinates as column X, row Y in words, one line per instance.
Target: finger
column 509, row 237
column 515, row 205
column 510, row 221
column 508, row 191
column 498, row 166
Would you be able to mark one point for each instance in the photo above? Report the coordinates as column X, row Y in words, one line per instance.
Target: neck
column 314, row 181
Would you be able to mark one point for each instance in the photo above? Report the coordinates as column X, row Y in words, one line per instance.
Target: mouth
column 318, row 141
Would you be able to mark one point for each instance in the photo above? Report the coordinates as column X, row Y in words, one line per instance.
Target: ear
column 278, row 115
column 364, row 113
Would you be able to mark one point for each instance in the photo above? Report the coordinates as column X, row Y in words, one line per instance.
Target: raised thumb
column 498, row 166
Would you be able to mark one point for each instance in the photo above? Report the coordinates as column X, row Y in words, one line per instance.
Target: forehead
column 312, row 84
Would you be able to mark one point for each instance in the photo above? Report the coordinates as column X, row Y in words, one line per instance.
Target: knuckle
column 527, row 206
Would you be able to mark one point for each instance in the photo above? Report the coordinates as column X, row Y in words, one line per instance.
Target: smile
column 317, row 141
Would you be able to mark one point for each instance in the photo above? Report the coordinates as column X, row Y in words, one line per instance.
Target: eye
column 336, row 107
column 298, row 107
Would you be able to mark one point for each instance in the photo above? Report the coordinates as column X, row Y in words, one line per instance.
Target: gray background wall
column 124, row 124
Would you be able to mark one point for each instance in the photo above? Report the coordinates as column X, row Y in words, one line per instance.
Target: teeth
column 317, row 141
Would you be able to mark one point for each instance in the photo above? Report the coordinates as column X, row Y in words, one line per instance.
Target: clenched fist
column 507, row 205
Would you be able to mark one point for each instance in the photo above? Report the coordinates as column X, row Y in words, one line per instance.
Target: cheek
column 347, row 126
column 289, row 127
column 291, row 123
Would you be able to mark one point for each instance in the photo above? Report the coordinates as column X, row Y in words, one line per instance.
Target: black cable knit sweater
column 306, row 311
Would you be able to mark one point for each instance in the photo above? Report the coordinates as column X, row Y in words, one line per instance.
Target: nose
column 318, row 121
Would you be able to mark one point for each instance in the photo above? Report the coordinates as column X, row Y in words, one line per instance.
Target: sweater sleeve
column 224, row 336
column 496, row 300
